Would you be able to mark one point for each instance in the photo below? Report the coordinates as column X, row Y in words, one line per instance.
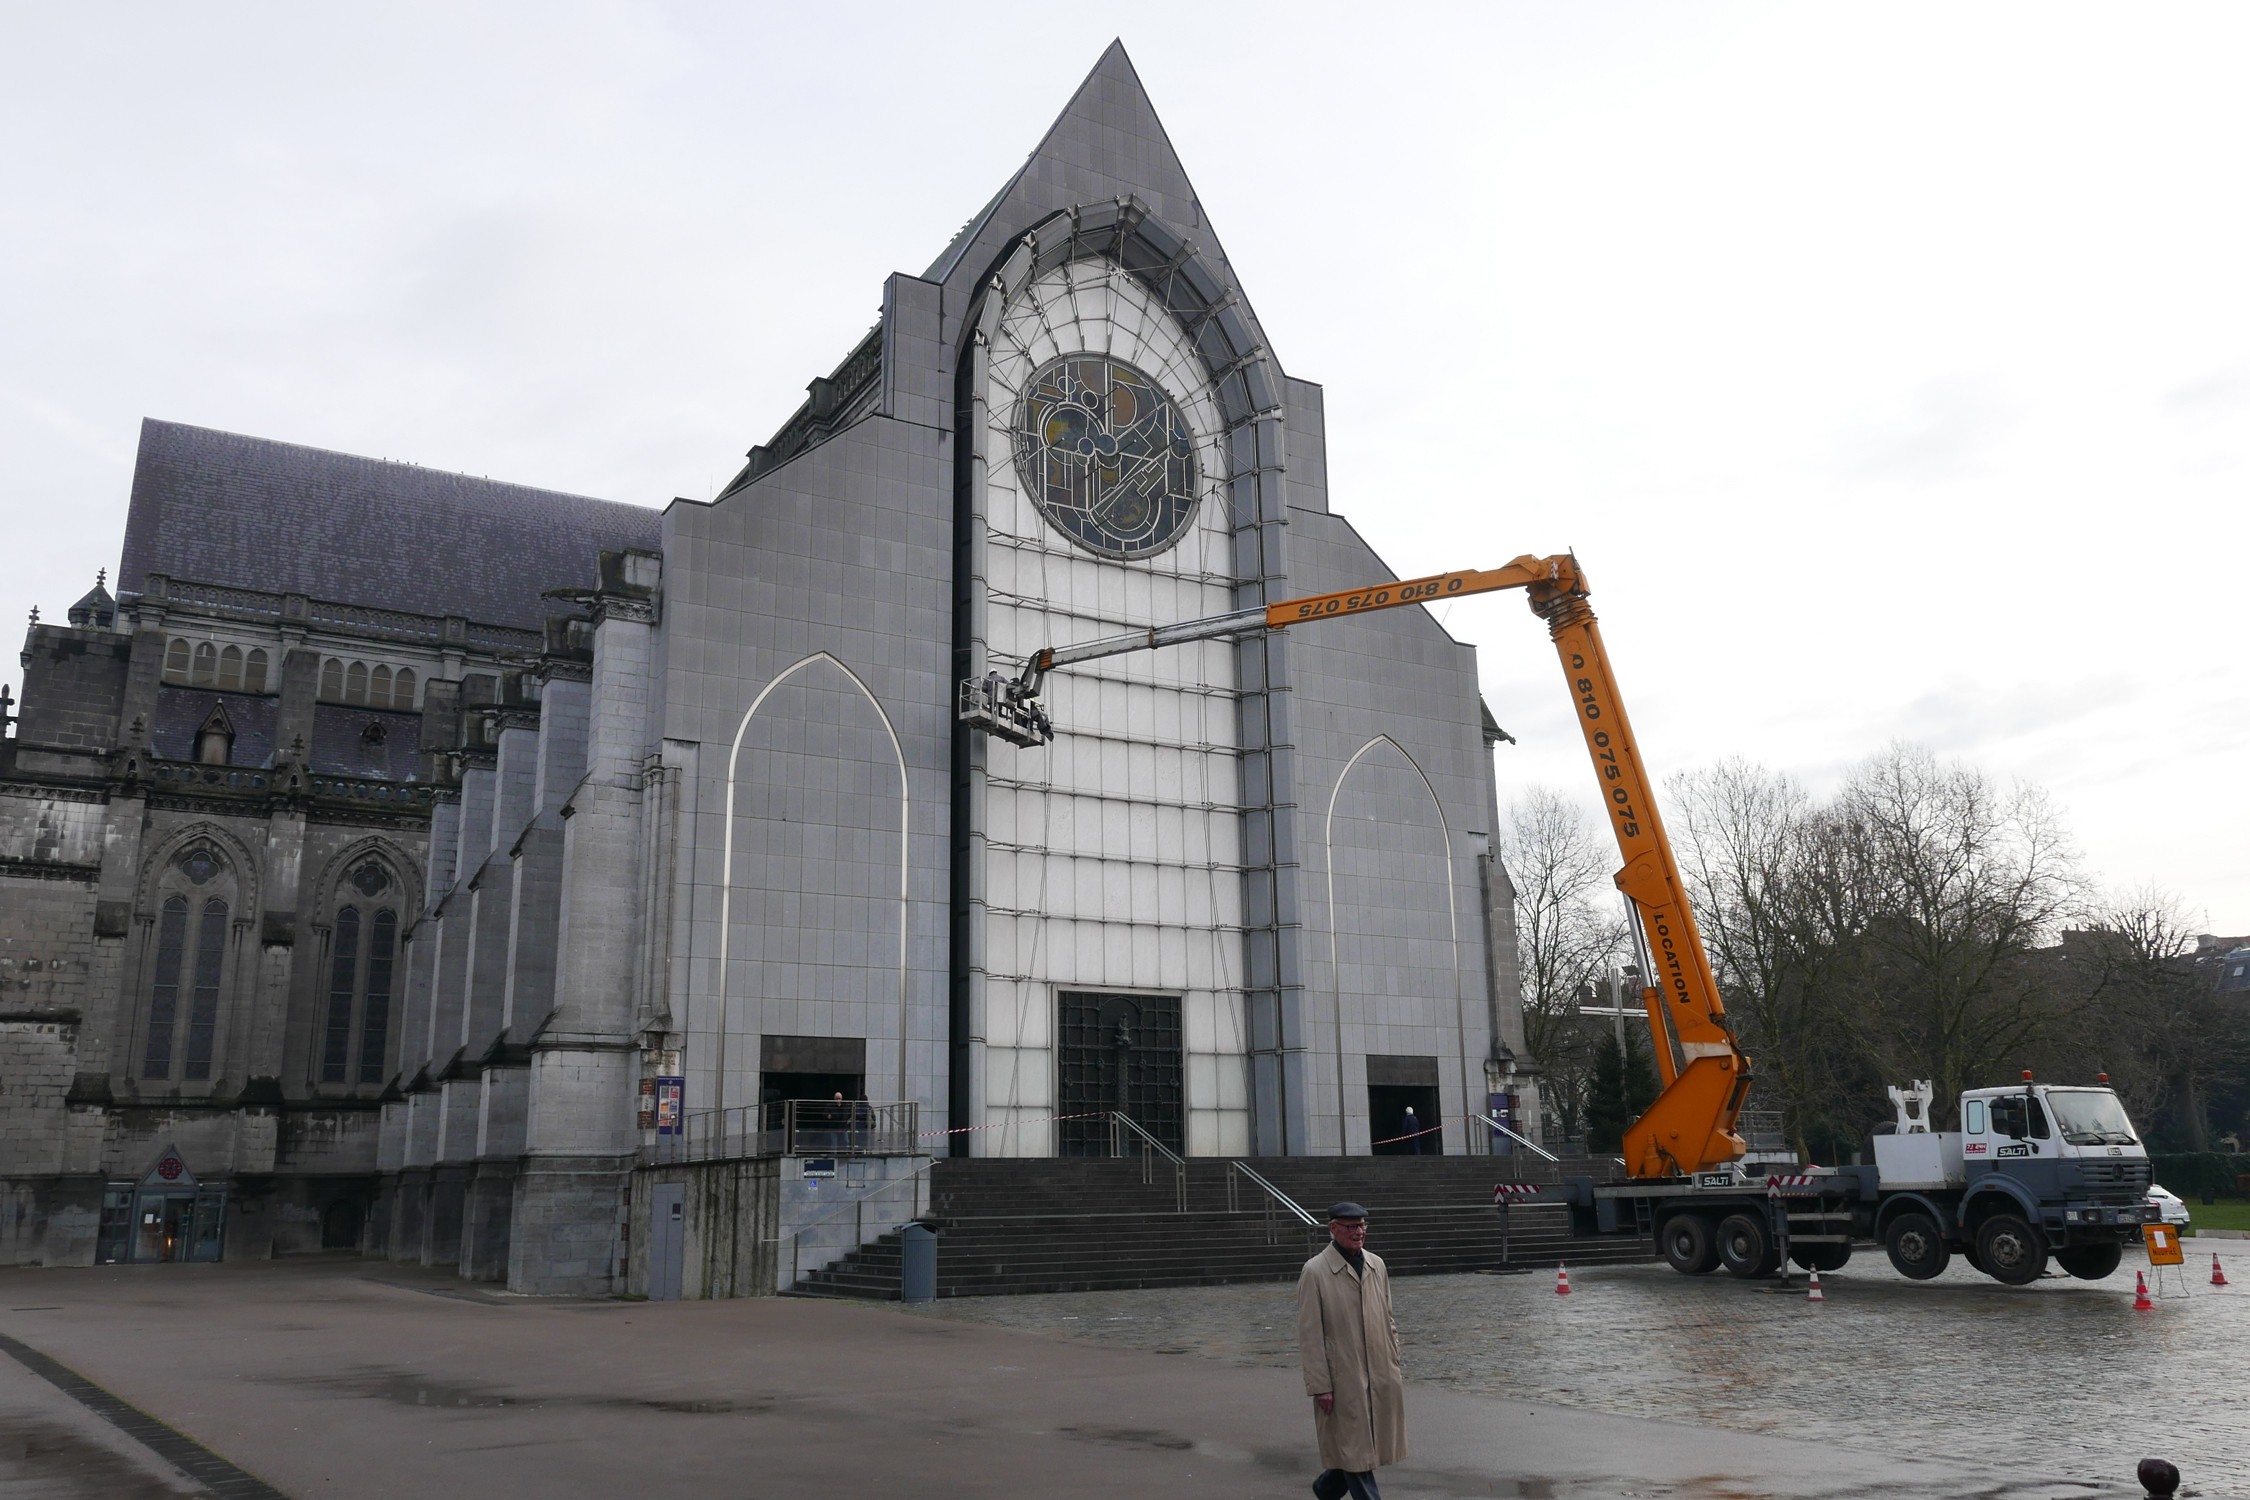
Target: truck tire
column 1915, row 1247
column 1689, row 1246
column 2011, row 1251
column 2090, row 1262
column 1746, row 1247
column 1823, row 1258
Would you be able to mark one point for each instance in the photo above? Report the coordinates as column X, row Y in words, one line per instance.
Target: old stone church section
column 395, row 852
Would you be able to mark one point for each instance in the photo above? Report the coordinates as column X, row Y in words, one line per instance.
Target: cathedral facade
column 364, row 891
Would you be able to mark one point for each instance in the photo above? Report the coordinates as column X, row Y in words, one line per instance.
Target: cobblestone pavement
column 2060, row 1378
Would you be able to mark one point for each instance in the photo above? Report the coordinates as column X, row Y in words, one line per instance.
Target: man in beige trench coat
column 1349, row 1343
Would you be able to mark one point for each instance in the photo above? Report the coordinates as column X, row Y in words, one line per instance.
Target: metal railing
column 915, row 1183
column 1126, row 1134
column 1528, row 1144
column 1272, row 1196
column 793, row 1127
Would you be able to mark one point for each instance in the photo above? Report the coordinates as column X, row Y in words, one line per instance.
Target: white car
column 2168, row 1204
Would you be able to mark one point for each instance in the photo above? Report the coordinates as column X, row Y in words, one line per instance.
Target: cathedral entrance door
column 174, row 1217
column 1121, row 1053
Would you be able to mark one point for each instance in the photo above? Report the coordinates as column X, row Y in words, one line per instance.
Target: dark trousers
column 1337, row 1484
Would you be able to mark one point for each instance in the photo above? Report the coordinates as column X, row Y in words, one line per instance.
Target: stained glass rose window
column 1106, row 456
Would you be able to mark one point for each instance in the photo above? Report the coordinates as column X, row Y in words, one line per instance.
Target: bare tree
column 2167, row 1041
column 1777, row 909
column 1569, row 930
column 1962, row 880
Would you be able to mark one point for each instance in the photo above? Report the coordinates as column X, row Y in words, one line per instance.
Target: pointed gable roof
column 1106, row 144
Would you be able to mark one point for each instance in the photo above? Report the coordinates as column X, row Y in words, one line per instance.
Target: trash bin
column 918, row 1263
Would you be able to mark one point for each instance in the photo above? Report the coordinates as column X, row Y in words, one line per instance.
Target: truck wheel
column 1915, row 1246
column 1746, row 1246
column 2012, row 1251
column 1822, row 1258
column 2090, row 1262
column 1688, row 1243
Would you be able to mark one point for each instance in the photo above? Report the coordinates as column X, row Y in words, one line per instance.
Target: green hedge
column 2192, row 1174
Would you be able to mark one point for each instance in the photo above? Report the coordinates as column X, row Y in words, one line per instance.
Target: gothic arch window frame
column 360, row 683
column 726, row 861
column 1244, row 493
column 193, row 920
column 1452, row 918
column 228, row 667
column 350, row 1004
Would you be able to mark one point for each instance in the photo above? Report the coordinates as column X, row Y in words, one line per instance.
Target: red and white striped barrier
column 1789, row 1180
column 1508, row 1190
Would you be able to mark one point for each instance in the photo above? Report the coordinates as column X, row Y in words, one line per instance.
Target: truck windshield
column 2091, row 1117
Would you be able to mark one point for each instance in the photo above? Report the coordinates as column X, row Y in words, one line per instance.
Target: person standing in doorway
column 1348, row 1342
column 1411, row 1128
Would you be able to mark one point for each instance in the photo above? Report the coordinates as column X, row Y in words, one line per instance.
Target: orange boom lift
column 1690, row 1127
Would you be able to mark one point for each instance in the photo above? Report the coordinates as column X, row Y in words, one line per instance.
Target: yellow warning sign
column 2163, row 1242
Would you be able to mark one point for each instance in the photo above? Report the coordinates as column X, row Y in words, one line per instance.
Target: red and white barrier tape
column 1010, row 1124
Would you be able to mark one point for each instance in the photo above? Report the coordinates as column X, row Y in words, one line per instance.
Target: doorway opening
column 1402, row 1103
column 167, row 1216
column 1395, row 1111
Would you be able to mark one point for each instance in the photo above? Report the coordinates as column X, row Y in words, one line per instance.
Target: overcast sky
column 1888, row 367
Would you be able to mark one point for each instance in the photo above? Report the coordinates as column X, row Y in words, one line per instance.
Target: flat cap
column 1346, row 1210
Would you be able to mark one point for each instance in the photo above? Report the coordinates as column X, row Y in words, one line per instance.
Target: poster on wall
column 671, row 1093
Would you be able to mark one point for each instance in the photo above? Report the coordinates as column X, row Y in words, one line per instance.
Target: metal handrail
column 1530, row 1145
column 1273, row 1194
column 1151, row 1147
column 858, row 1206
column 1119, row 1117
column 793, row 1127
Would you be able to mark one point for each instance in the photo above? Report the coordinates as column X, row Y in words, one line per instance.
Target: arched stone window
column 254, row 673
column 332, row 679
column 379, row 688
column 355, row 683
column 178, row 658
column 206, row 665
column 188, row 972
column 362, row 969
column 230, row 670
column 402, row 689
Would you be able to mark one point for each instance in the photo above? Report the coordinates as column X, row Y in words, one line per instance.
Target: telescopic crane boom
column 1690, row 1127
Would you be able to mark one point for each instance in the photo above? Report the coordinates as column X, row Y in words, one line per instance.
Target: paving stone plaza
column 352, row 1378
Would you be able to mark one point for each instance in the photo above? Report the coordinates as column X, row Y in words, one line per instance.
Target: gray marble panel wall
column 1394, row 699
column 826, row 588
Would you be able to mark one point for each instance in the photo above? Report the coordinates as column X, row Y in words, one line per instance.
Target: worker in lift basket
column 1349, row 1344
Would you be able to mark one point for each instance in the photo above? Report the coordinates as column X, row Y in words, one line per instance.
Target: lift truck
column 2035, row 1170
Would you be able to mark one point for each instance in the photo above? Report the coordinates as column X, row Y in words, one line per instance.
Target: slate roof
column 245, row 512
column 180, row 712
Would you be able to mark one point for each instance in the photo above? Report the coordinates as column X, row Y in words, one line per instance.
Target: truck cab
column 2035, row 1170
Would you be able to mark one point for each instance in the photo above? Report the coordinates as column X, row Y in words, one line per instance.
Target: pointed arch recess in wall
column 1452, row 917
column 726, row 861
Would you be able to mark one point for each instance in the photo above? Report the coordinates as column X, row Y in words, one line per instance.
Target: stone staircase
column 1064, row 1225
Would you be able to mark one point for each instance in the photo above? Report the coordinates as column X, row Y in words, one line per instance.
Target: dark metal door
column 667, row 1241
column 1122, row 1053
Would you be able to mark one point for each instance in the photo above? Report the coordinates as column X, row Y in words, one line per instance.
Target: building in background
column 508, row 803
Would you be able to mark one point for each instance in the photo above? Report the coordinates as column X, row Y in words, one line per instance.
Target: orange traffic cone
column 2140, row 1293
column 1813, row 1293
column 2218, row 1277
column 1562, row 1280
